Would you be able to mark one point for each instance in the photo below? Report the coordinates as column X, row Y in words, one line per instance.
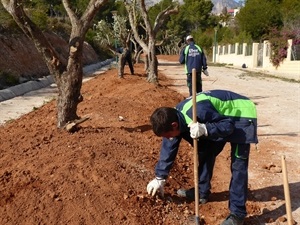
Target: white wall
column 287, row 69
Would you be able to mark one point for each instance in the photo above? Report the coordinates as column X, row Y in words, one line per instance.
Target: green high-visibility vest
column 243, row 108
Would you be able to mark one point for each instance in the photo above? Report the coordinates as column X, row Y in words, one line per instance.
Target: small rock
column 282, row 219
column 186, row 212
column 273, row 198
column 125, row 196
column 276, row 169
column 140, row 196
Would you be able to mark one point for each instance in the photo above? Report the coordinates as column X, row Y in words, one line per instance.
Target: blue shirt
column 228, row 117
column 193, row 57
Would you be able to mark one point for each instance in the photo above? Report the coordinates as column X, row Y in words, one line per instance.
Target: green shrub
column 7, row 80
column 6, row 21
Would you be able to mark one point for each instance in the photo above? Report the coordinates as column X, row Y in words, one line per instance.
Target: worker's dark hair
column 162, row 119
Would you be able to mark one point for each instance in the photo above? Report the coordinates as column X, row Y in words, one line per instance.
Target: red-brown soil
column 99, row 174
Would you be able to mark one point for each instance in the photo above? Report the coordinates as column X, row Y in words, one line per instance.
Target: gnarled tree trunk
column 152, row 63
column 69, row 83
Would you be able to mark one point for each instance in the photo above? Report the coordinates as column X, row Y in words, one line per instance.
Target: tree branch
column 70, row 12
column 162, row 16
column 91, row 10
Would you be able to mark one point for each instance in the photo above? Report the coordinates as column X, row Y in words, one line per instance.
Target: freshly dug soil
column 99, row 174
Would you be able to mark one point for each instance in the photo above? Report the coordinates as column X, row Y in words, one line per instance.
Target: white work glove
column 206, row 72
column 155, row 185
column 197, row 130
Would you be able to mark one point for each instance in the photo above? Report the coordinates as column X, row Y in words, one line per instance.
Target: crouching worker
column 222, row 116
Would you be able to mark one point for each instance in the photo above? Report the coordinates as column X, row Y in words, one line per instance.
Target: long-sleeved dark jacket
column 193, row 57
column 228, row 117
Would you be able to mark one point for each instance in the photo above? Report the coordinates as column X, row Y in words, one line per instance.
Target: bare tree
column 136, row 8
column 116, row 38
column 67, row 74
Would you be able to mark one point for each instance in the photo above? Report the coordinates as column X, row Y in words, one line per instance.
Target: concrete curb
column 24, row 88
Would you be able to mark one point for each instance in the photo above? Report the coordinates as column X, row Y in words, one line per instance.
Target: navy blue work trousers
column 198, row 83
column 208, row 151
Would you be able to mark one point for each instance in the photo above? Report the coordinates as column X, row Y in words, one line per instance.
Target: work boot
column 190, row 195
column 233, row 220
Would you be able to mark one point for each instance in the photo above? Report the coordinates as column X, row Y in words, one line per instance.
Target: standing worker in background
column 128, row 59
column 124, row 57
column 194, row 58
column 223, row 116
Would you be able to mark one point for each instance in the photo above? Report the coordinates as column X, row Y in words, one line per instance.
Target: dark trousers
column 208, row 151
column 129, row 61
column 238, row 188
column 198, row 83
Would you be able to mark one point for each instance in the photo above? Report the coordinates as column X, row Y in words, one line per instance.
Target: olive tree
column 139, row 17
column 115, row 37
column 67, row 73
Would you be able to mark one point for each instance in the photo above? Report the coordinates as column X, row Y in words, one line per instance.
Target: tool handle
column 286, row 192
column 194, row 92
column 195, row 142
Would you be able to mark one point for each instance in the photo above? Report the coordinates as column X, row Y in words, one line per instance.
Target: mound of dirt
column 99, row 174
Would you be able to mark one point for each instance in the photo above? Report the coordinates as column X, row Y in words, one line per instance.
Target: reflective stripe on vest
column 243, row 108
